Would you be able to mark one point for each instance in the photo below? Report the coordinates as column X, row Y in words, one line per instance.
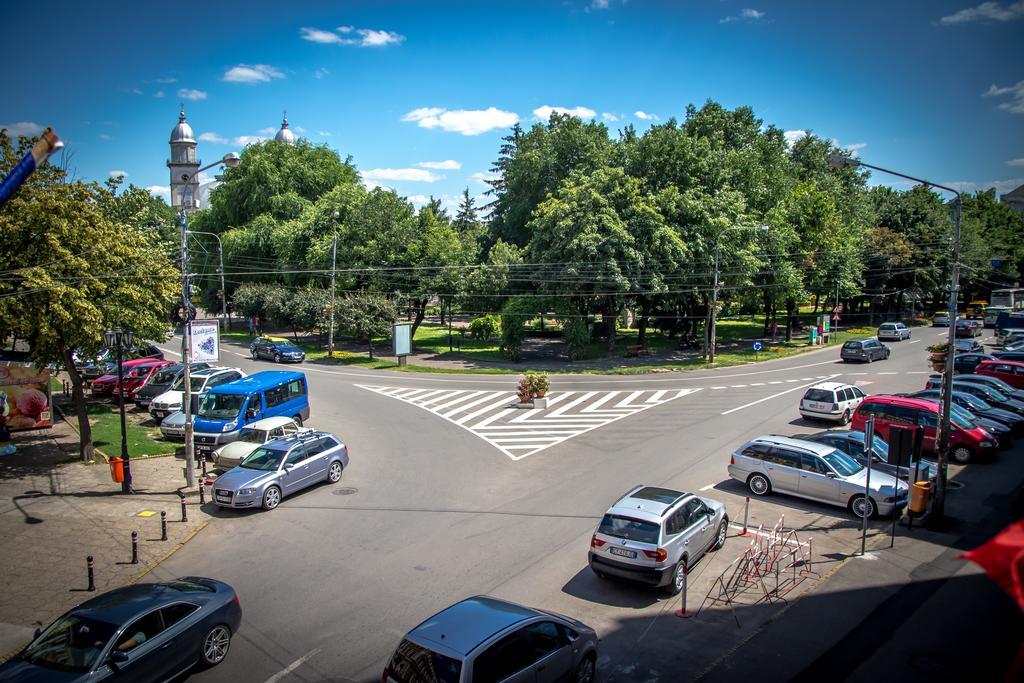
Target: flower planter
column 540, row 402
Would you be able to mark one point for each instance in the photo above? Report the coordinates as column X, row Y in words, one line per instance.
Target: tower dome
column 182, row 132
column 284, row 135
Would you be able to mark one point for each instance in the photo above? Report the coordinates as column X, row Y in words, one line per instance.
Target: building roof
column 182, row 132
column 1017, row 193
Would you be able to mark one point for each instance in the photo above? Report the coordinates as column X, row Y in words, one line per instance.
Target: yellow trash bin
column 919, row 496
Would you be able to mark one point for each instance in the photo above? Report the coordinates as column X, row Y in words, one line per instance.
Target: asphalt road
column 435, row 507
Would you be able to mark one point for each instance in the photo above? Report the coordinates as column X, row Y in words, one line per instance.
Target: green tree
column 77, row 261
column 366, row 315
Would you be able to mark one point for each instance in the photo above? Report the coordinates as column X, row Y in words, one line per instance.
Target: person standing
column 775, row 330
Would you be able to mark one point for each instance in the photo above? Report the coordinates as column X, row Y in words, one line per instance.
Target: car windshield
column 263, row 459
column 221, row 406
column 823, row 395
column 842, row 463
column 413, row 663
column 629, row 528
column 961, row 418
column 72, row 643
column 164, row 376
column 851, row 345
column 195, row 382
column 974, row 403
column 887, row 326
column 285, row 346
column 1000, row 385
column 253, row 436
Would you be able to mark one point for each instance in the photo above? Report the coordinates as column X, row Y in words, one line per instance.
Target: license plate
column 816, row 406
column 159, row 413
column 203, row 449
column 223, row 499
column 622, row 552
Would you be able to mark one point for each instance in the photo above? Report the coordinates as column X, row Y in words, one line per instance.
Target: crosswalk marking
column 492, row 415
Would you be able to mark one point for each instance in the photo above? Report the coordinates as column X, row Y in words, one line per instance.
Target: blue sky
column 420, row 93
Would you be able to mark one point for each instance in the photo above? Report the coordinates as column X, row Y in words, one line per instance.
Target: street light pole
column 118, row 338
column 939, row 504
column 714, row 288
column 334, row 266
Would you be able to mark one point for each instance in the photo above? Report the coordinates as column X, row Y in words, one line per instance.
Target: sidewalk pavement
column 55, row 511
column 913, row 612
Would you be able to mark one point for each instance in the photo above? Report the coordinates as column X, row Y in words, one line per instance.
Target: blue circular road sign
column 757, row 346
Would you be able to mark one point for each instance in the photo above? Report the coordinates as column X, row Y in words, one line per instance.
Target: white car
column 204, row 380
column 252, row 437
column 897, row 331
column 833, row 401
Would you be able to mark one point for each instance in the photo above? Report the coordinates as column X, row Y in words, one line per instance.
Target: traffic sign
column 757, row 346
column 996, row 263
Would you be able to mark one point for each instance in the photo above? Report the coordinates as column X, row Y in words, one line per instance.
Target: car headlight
column 986, row 444
column 229, row 426
column 246, row 492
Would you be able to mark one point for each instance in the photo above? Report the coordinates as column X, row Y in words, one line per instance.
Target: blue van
column 225, row 409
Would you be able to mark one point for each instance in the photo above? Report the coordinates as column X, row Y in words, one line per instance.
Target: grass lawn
column 106, row 434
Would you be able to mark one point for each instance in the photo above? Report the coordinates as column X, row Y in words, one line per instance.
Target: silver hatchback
column 280, row 468
column 653, row 535
column 816, row 471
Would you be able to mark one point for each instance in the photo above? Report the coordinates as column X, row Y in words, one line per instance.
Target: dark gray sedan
column 143, row 632
column 866, row 350
column 851, row 442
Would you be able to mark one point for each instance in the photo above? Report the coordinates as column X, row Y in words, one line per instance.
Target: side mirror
column 288, row 467
column 830, row 475
column 37, row 633
column 118, row 657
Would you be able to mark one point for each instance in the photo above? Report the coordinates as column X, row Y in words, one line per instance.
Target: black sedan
column 143, row 632
column 968, row 362
column 968, row 346
column 991, row 382
column 980, row 407
column 277, row 350
column 851, row 442
column 986, row 393
column 1009, row 355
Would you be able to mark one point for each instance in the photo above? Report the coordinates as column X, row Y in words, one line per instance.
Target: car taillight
column 732, row 459
column 835, row 406
column 596, row 542
column 236, row 600
column 658, row 554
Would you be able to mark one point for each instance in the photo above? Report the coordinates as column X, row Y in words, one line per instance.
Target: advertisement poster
column 205, row 337
column 402, row 336
column 25, row 397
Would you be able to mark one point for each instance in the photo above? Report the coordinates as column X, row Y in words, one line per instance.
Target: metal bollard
column 203, row 462
column 746, row 513
column 681, row 612
column 135, row 547
column 163, row 525
column 202, row 493
column 92, row 578
column 184, row 509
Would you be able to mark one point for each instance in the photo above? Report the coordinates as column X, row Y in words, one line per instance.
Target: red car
column 967, row 440
column 1011, row 372
column 105, row 385
column 138, row 377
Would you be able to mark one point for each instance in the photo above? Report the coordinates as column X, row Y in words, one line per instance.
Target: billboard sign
column 25, row 401
column 402, row 339
column 204, row 341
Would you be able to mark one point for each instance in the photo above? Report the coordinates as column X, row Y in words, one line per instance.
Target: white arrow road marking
column 491, row 415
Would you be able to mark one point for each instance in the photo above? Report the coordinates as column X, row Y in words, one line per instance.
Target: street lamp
column 334, row 265
column 939, row 506
column 714, row 288
column 230, row 160
column 118, row 338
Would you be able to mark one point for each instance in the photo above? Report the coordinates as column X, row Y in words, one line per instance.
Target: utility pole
column 223, row 289
column 186, row 353
column 334, row 268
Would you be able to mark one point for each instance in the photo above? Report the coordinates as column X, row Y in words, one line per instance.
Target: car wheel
column 759, row 485
column 277, row 358
column 723, row 532
column 297, row 419
column 215, row 645
column 846, row 417
column 887, row 354
column 254, row 354
column 585, row 670
column 678, row 577
column 334, row 472
column 271, row 498
column 961, row 455
column 862, row 507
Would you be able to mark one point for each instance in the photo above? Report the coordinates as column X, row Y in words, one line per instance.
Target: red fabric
column 1002, row 558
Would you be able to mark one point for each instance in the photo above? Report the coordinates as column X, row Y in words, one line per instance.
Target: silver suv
column 280, row 468
column 816, row 471
column 652, row 535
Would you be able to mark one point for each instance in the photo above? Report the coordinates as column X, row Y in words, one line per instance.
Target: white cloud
column 986, row 11
column 793, row 135
column 324, row 133
column 160, row 191
column 417, row 175
column 644, row 116
column 158, row 93
column 269, row 130
column 447, row 165
column 135, row 91
column 213, row 137
column 544, row 113
column 299, row 129
column 104, row 136
column 116, row 173
column 22, row 128
column 599, row 4
column 320, row 73
column 251, row 73
column 608, row 116
column 368, row 37
column 164, row 81
column 1015, row 162
column 245, row 140
column 484, row 176
column 1015, row 104
column 748, row 15
column 464, row 121
column 190, row 94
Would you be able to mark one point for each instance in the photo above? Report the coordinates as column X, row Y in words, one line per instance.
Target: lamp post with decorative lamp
column 230, row 160
column 939, row 504
column 118, row 338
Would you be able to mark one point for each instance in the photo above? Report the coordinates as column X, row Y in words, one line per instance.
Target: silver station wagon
column 816, row 471
column 653, row 535
column 280, row 468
